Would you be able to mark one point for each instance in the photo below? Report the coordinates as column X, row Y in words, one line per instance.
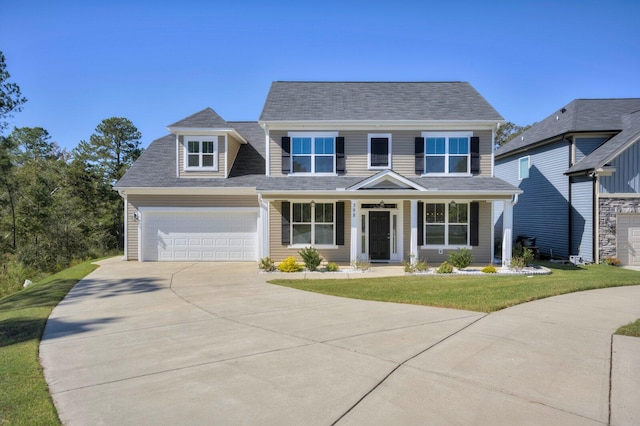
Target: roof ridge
column 367, row 81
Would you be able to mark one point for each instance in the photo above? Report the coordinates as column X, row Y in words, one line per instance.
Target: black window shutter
column 419, row 156
column 340, row 223
column 286, row 155
column 475, row 155
column 340, row 163
column 286, row 223
column 474, row 224
column 420, row 224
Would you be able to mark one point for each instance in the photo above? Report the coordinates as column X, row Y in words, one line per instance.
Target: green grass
column 24, row 396
column 632, row 329
column 486, row 293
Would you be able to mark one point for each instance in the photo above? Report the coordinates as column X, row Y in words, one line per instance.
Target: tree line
column 58, row 206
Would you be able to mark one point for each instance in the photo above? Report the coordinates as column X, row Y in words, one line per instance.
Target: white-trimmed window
column 201, row 153
column 313, row 224
column 446, row 224
column 523, row 167
column 379, row 151
column 447, row 153
column 313, row 152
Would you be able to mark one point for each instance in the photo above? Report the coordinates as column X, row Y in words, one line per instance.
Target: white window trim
column 446, row 135
column 446, row 223
column 185, row 142
column 379, row 135
column 313, row 230
column 528, row 158
column 313, row 135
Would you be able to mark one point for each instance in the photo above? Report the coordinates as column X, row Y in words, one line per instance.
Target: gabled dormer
column 206, row 145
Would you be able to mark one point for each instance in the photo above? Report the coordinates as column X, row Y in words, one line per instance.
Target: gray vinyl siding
column 194, row 173
column 169, row 201
column 481, row 253
column 542, row 208
column 279, row 252
column 585, row 146
column 582, row 217
column 402, row 151
column 626, row 179
column 233, row 146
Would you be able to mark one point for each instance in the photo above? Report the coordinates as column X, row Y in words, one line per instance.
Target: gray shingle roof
column 614, row 146
column 207, row 118
column 301, row 101
column 156, row 167
column 580, row 115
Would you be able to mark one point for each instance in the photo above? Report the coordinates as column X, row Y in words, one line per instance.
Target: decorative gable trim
column 396, row 179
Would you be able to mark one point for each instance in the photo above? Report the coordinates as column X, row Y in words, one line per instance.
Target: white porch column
column 414, row 231
column 263, row 229
column 507, row 233
column 354, row 231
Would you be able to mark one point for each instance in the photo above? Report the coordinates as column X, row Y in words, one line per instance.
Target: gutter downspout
column 596, row 218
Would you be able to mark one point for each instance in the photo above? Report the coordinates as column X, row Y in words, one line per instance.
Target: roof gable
column 205, row 119
column 386, row 180
column 380, row 101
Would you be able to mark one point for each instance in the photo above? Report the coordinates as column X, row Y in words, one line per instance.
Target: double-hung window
column 201, row 153
column 312, row 224
column 447, row 153
column 313, row 153
column 446, row 224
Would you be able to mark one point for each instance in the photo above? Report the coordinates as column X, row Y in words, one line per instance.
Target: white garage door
column 227, row 235
column 628, row 239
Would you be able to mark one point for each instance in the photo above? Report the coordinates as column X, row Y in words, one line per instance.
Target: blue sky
column 158, row 62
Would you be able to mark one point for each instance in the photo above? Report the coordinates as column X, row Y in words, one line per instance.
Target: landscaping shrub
column 461, row 258
column 361, row 265
column 521, row 257
column 489, row 269
column 332, row 267
column 311, row 258
column 412, row 265
column 289, row 265
column 613, row 261
column 445, row 268
column 266, row 264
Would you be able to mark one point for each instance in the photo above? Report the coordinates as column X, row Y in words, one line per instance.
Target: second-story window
column 201, row 152
column 313, row 153
column 447, row 153
column 379, row 151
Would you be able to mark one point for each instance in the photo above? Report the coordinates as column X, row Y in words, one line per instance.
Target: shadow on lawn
column 21, row 329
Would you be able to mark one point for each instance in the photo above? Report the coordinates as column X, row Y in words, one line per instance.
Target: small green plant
column 461, row 258
column 311, row 258
column 445, row 268
column 332, row 267
column 361, row 264
column 266, row 264
column 521, row 257
column 613, row 261
column 489, row 269
column 413, row 265
column 289, row 265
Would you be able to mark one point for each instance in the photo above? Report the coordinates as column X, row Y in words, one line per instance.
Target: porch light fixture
column 381, row 204
column 313, row 203
column 452, row 204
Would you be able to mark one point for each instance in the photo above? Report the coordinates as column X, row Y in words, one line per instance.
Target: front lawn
column 24, row 395
column 485, row 293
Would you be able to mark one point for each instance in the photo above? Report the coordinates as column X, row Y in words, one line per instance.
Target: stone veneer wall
column 609, row 207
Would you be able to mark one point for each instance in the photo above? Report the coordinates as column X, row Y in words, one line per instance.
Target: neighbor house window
column 523, row 168
column 313, row 153
column 447, row 153
column 446, row 224
column 312, row 223
column 201, row 152
column 380, row 151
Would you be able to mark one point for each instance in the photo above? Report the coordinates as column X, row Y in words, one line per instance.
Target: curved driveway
column 175, row 343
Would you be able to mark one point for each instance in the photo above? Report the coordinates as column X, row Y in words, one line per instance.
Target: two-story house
column 359, row 170
column 579, row 169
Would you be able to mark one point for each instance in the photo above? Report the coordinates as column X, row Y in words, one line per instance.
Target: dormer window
column 201, row 153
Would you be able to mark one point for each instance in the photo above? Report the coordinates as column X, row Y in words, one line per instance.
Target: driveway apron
column 202, row 343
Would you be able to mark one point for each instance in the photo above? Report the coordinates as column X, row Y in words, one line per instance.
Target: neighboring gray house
column 579, row 170
column 376, row 170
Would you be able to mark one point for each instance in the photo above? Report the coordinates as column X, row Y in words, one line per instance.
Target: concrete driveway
column 175, row 343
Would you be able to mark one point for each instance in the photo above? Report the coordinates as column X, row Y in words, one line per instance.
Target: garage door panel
column 628, row 239
column 199, row 236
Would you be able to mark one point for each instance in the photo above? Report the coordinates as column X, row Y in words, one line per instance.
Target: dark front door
column 379, row 235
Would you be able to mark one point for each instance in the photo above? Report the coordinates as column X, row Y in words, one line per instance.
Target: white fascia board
column 390, row 194
column 188, row 191
column 372, row 125
column 204, row 131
